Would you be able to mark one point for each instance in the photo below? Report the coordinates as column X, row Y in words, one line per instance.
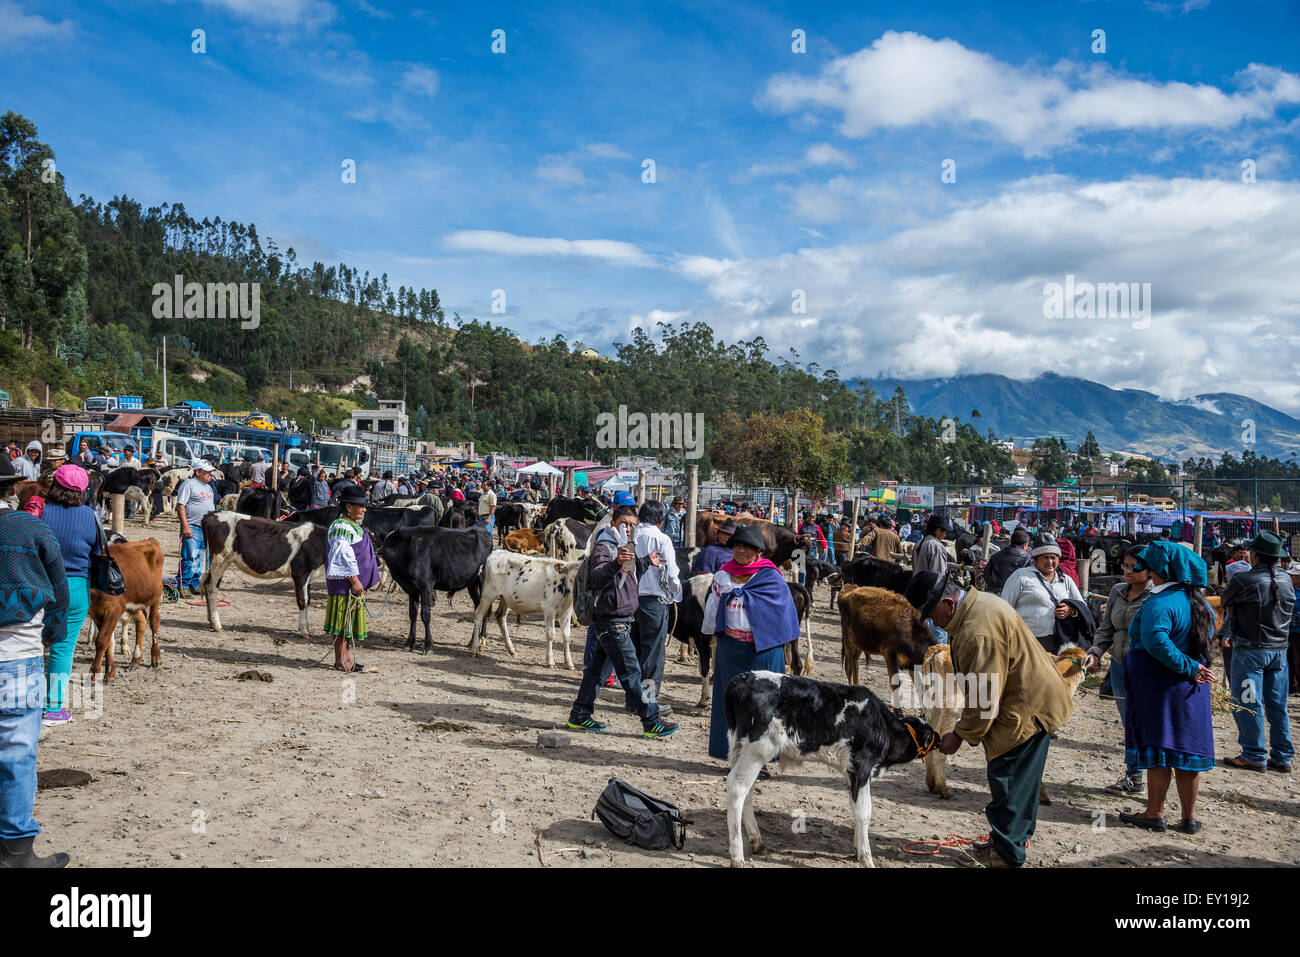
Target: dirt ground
column 434, row 761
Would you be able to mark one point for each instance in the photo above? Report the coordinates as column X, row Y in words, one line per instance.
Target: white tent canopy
column 540, row 468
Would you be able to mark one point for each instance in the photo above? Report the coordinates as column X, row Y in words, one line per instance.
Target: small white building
column 389, row 419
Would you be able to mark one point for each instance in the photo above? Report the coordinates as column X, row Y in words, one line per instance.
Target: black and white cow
column 527, row 585
column 512, row 515
column 566, row 539
column 870, row 572
column 264, row 549
column 136, row 484
column 687, row 629
column 797, row 719
column 425, row 560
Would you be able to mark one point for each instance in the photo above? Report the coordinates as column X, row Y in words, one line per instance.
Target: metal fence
column 1235, row 507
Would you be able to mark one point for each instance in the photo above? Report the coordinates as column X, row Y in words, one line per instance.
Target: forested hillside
column 76, row 297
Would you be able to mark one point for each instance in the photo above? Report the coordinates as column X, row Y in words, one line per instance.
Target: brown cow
column 525, row 541
column 877, row 621
column 142, row 566
column 778, row 541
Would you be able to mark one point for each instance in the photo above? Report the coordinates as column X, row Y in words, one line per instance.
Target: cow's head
column 911, row 651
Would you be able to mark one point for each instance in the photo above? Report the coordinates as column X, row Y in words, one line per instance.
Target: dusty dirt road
column 433, row 760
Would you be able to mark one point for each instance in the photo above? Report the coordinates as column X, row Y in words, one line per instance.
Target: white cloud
column 905, row 79
column 420, row 79
column 284, row 12
column 1187, row 6
column 507, row 244
column 607, row 151
column 963, row 292
column 17, row 27
column 372, row 11
column 820, row 155
column 560, row 170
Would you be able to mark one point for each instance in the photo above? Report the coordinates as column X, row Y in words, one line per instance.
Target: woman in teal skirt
column 750, row 611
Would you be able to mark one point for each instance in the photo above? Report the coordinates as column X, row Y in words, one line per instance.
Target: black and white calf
column 527, row 585
column 798, row 719
column 264, row 549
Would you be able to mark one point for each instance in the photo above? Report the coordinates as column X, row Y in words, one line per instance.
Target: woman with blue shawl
column 1167, row 728
column 750, row 610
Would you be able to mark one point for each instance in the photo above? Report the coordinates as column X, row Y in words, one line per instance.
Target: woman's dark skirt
column 1166, row 717
column 730, row 658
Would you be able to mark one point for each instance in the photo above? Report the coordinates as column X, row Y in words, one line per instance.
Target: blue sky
column 776, row 171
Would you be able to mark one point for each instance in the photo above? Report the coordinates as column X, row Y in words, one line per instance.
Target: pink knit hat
column 72, row 477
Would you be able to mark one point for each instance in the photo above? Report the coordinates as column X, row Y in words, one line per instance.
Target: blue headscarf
column 1174, row 563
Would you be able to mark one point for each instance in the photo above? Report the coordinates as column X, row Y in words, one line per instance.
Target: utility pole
column 165, row 405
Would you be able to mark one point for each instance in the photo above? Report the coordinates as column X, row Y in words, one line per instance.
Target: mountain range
column 1123, row 420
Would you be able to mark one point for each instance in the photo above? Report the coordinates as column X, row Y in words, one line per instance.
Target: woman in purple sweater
column 76, row 528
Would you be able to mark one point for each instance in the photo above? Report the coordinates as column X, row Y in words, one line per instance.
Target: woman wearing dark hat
column 1040, row 594
column 1123, row 604
column 1167, row 727
column 712, row 556
column 750, row 610
column 1261, row 601
column 351, row 569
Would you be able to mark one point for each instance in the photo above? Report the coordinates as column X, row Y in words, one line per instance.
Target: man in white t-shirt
column 194, row 499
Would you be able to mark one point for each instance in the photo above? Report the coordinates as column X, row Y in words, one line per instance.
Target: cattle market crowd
column 928, row 592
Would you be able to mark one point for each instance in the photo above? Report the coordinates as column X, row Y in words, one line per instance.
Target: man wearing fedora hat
column 988, row 639
column 1261, row 601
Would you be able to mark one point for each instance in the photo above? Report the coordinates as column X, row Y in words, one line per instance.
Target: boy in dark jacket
column 617, row 600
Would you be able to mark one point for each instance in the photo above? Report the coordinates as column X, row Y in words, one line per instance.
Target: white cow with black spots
column 527, row 585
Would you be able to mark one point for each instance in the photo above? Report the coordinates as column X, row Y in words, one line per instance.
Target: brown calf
column 142, row 566
column 877, row 621
column 525, row 541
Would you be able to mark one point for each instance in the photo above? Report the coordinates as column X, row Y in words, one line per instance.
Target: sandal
column 1241, row 764
column 356, row 668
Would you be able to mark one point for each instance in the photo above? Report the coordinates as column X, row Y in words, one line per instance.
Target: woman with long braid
column 1167, row 727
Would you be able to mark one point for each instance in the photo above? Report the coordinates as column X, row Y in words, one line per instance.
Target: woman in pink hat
column 76, row 528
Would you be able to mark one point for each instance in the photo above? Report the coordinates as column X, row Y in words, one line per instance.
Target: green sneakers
column 660, row 729
column 587, row 724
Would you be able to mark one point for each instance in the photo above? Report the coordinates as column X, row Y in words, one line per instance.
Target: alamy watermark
column 216, row 300
column 1102, row 300
column 655, row 430
column 952, row 691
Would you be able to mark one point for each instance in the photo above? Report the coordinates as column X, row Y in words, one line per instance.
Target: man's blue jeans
column 22, row 695
column 614, row 646
column 1260, row 682
column 1117, row 691
column 192, row 558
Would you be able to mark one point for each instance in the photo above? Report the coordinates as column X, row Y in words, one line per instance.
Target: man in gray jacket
column 930, row 555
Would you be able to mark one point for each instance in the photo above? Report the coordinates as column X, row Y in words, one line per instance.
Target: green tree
column 1048, row 461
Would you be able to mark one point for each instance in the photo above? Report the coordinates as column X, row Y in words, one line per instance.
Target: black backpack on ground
column 639, row 818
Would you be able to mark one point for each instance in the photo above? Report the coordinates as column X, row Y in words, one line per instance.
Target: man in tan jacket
column 1029, row 703
column 882, row 540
